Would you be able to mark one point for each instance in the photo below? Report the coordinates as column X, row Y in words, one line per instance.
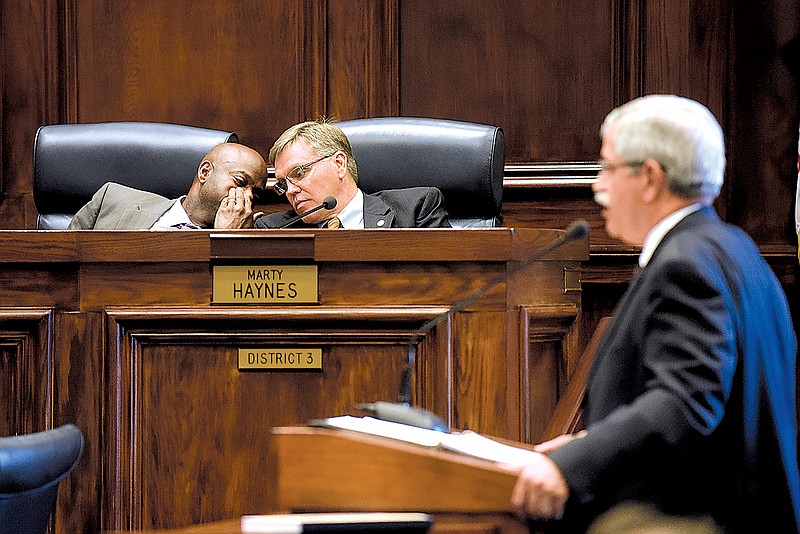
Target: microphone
column 328, row 204
column 402, row 411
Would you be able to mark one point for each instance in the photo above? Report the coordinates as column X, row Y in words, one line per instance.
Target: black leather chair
column 72, row 161
column 31, row 467
column 464, row 160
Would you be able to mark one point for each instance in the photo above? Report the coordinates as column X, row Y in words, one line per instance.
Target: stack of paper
column 467, row 442
column 333, row 522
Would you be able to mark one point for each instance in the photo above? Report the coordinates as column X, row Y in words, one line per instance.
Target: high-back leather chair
column 464, row 160
column 31, row 467
column 72, row 161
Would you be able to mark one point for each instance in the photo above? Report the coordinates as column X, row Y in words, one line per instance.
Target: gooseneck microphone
column 402, row 411
column 576, row 230
column 328, row 204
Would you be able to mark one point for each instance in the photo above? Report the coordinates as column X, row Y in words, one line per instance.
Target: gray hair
column 680, row 134
column 322, row 136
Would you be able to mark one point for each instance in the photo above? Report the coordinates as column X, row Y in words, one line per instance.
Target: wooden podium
column 325, row 470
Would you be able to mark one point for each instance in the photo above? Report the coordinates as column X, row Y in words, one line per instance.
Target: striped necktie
column 333, row 223
column 185, row 226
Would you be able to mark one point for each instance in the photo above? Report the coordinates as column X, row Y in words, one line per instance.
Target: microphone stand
column 328, row 204
column 402, row 411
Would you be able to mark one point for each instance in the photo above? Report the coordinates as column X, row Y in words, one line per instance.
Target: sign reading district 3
column 281, row 358
column 258, row 284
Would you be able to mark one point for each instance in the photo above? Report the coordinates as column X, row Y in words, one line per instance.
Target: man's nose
column 292, row 187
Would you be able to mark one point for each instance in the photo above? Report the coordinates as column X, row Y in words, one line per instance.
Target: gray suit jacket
column 117, row 207
column 412, row 207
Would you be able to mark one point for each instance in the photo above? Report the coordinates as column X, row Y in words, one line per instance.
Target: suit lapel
column 377, row 214
column 698, row 217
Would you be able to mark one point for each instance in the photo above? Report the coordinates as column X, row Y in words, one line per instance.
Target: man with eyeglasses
column 690, row 402
column 313, row 161
column 221, row 196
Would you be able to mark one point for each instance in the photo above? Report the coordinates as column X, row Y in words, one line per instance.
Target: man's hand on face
column 236, row 210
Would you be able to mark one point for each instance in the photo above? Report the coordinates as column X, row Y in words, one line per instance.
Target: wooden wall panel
column 541, row 70
column 26, row 367
column 79, row 386
column 217, row 64
column 180, row 454
column 480, row 383
column 30, row 83
column 548, row 336
column 545, row 71
column 765, row 114
column 362, row 59
column 685, row 50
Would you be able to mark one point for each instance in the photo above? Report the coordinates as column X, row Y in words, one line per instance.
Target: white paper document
column 466, row 442
column 297, row 523
column 474, row 444
column 387, row 429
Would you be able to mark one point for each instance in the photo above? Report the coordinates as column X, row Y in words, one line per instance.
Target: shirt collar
column 352, row 215
column 662, row 228
column 174, row 215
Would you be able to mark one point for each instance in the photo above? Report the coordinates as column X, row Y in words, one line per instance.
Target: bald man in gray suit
column 220, row 196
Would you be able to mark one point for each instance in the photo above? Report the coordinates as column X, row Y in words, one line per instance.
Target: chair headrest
column 72, row 161
column 31, row 461
column 464, row 160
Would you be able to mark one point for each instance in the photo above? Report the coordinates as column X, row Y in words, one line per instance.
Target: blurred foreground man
column 690, row 405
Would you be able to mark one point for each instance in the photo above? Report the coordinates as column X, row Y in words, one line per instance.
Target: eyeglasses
column 296, row 175
column 608, row 166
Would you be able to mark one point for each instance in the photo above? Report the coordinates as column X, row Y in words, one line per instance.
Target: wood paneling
column 132, row 351
column 547, row 343
column 764, row 119
column 547, row 72
column 31, row 84
column 79, row 387
column 26, row 361
column 685, row 47
column 541, row 70
column 363, row 59
column 199, row 454
column 216, row 64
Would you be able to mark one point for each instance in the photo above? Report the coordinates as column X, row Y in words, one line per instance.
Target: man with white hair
column 690, row 403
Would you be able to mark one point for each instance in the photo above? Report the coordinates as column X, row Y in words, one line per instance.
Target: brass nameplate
column 259, row 284
column 281, row 358
column 572, row 280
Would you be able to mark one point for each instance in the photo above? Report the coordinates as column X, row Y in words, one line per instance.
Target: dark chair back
column 72, row 161
column 464, row 160
column 31, row 467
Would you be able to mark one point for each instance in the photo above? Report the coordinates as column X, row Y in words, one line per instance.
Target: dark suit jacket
column 117, row 207
column 412, row 207
column 690, row 404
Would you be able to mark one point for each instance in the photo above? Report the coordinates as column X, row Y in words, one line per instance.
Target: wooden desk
column 116, row 332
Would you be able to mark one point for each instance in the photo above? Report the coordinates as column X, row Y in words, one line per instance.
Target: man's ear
column 340, row 159
column 203, row 170
column 655, row 179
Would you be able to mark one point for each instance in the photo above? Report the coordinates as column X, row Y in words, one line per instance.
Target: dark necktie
column 185, row 226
